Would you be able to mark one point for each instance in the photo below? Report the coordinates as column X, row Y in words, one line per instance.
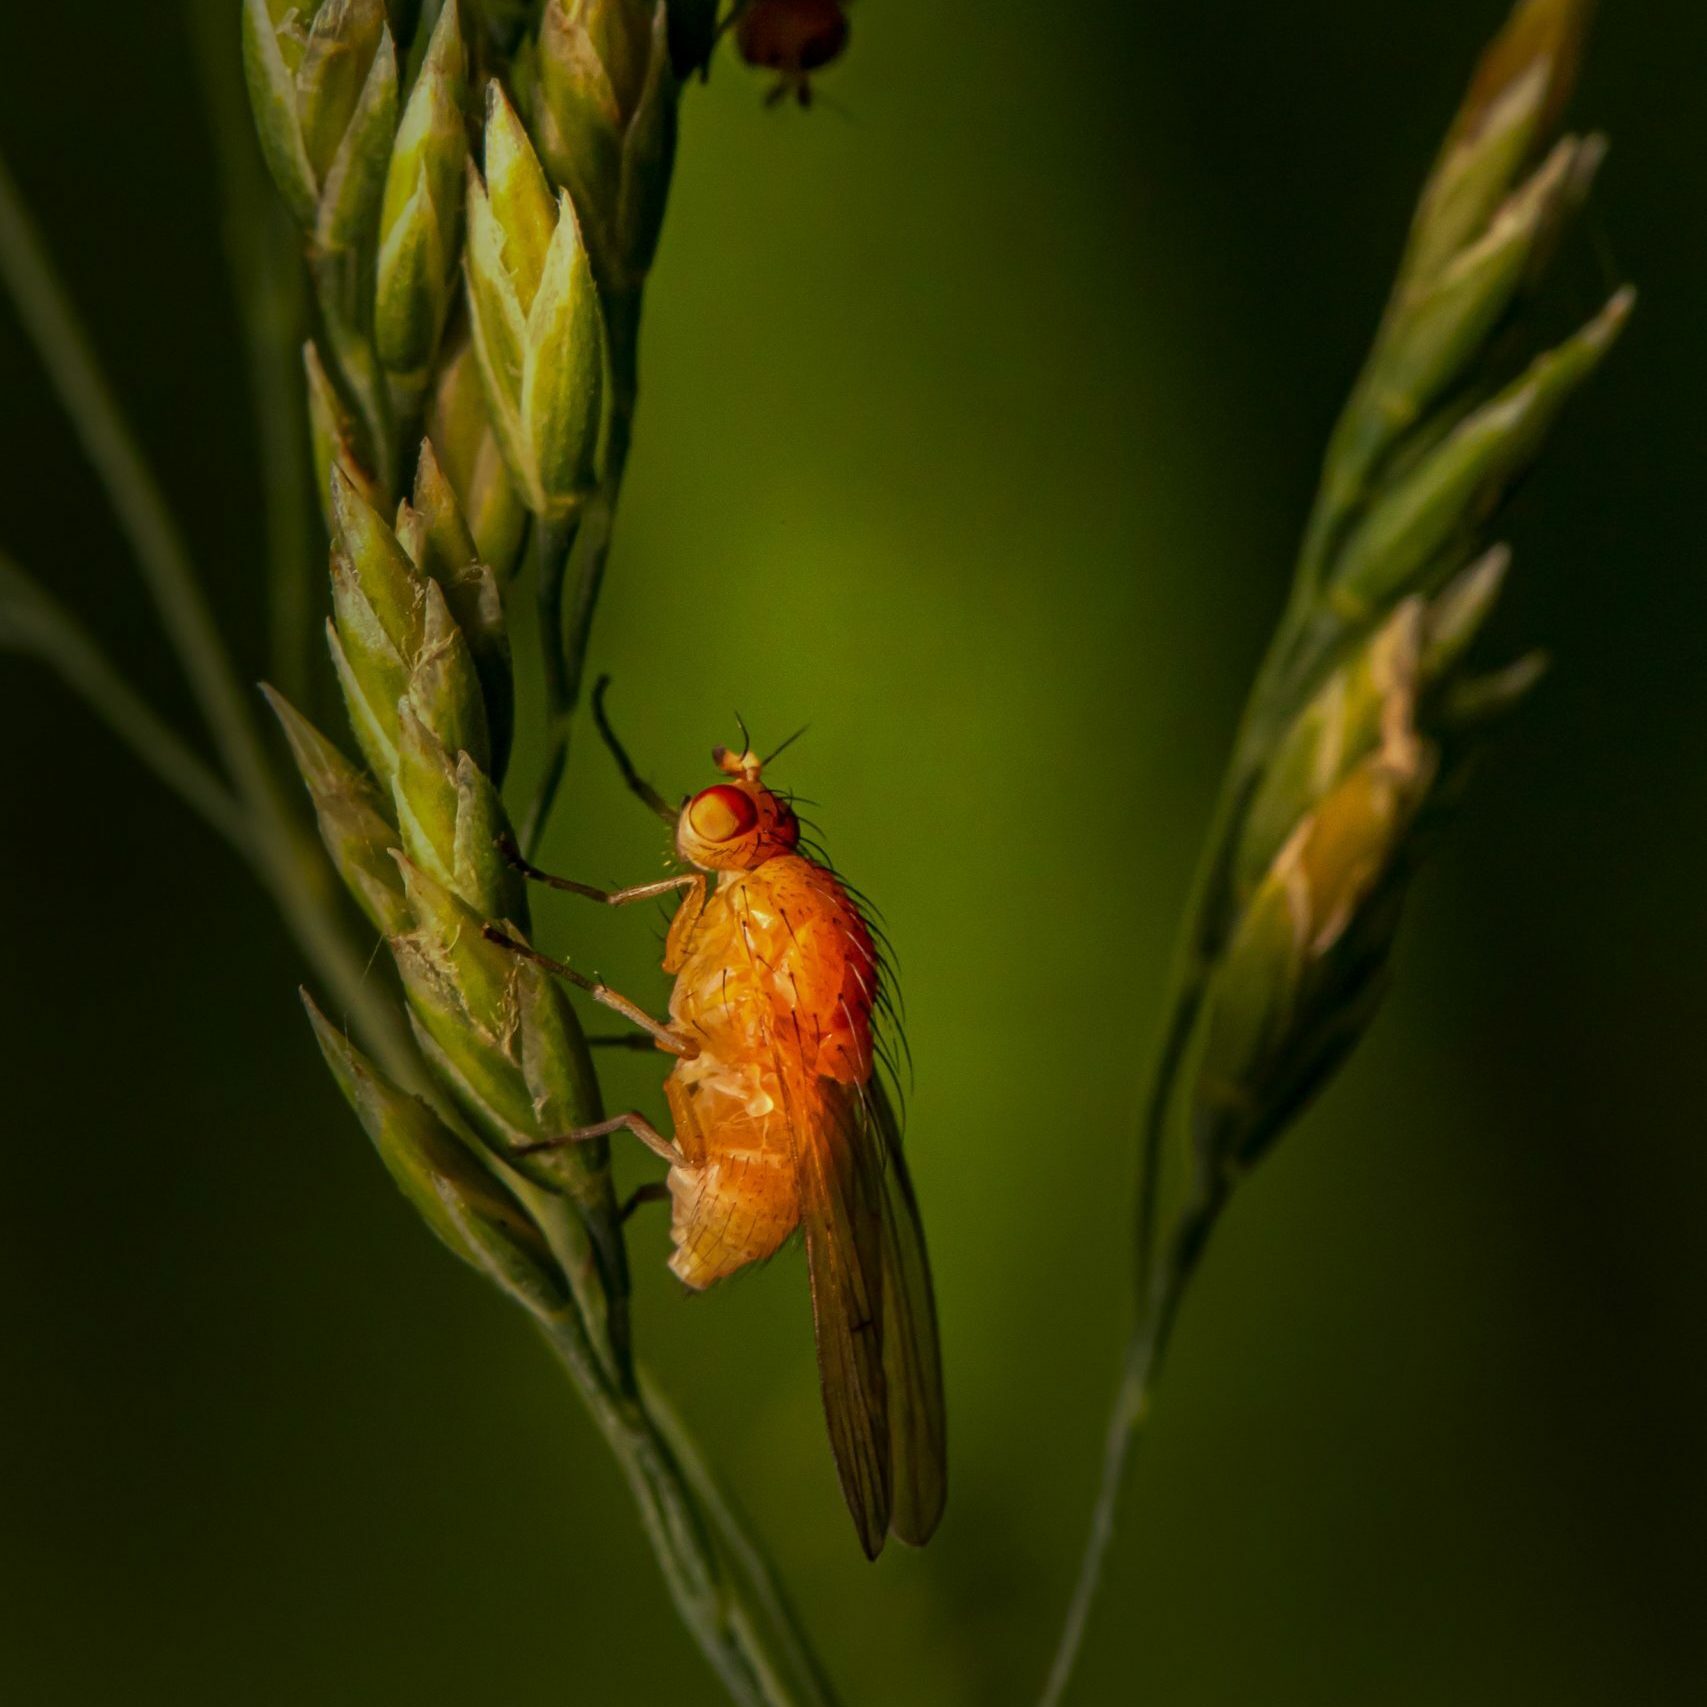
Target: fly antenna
column 746, row 739
column 636, row 782
column 788, row 743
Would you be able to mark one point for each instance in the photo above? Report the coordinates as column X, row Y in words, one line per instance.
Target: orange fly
column 781, row 1121
column 793, row 38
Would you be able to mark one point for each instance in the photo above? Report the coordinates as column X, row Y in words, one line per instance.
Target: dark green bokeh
column 982, row 408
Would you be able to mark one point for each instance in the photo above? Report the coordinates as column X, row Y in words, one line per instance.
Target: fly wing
column 842, row 1212
column 872, row 1307
column 912, row 1358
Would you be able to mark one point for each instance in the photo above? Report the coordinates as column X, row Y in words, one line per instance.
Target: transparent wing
column 873, row 1312
column 840, row 1181
column 912, row 1357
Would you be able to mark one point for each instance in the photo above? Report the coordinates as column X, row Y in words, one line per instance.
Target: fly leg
column 655, row 1191
column 638, row 1124
column 692, row 885
column 608, row 897
column 637, row 784
column 666, row 1038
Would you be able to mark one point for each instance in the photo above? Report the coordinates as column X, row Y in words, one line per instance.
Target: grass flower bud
column 498, row 1032
column 469, row 1210
column 394, row 637
column 1299, row 979
column 323, row 85
column 358, row 832
column 604, row 111
column 420, row 222
column 449, row 555
column 468, row 454
column 537, row 329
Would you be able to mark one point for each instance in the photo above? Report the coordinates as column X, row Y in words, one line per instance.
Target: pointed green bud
column 1587, row 157
column 592, row 62
column 1372, row 696
column 420, row 225
column 273, row 44
column 373, row 718
column 451, row 558
column 481, row 974
column 353, row 184
column 417, row 260
column 559, row 1075
column 1447, row 493
column 479, row 872
column 502, row 1037
column 333, row 436
column 1509, row 119
column 443, row 682
column 537, row 330
column 343, row 41
column 451, row 820
column 1457, row 613
column 619, row 33
column 424, row 797
column 563, row 371
column 1438, row 330
column 473, row 1063
column 397, row 638
column 497, row 1104
column 323, row 88
column 372, row 674
column 1339, row 853
column 497, row 330
column 1541, row 35
column 523, row 208
column 411, row 530
column 461, row 431
column 469, row 1210
column 450, row 545
column 604, row 111
column 353, row 824
column 1300, row 963
column 389, row 583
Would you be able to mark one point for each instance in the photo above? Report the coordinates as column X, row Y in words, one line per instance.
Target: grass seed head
column 469, row 1210
column 420, row 226
column 354, row 822
column 469, row 456
column 538, row 331
column 603, row 108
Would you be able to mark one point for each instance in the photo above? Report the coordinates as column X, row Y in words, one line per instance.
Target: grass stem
column 745, row 1551
column 1140, row 1369
column 267, row 284
column 288, row 863
column 709, row 1604
column 33, row 622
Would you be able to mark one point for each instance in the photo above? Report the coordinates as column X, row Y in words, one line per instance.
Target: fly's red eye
column 721, row 814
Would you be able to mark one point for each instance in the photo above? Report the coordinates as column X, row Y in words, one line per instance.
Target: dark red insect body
column 793, row 38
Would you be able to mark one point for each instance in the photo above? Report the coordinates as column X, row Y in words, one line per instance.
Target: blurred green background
column 982, row 407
